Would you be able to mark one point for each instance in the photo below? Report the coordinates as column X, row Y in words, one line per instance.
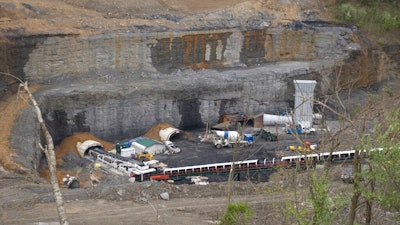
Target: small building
column 142, row 144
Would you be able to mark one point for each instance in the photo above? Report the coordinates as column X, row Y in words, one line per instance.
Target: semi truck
column 230, row 138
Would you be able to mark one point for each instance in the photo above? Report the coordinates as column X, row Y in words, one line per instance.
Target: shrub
column 388, row 21
column 238, row 213
column 349, row 13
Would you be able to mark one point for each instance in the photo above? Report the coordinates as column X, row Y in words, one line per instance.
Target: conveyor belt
column 95, row 151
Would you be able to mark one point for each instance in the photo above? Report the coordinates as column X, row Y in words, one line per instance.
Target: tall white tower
column 304, row 100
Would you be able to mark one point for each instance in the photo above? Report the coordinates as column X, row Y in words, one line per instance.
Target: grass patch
column 377, row 17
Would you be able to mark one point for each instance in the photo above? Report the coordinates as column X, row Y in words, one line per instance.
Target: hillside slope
column 19, row 17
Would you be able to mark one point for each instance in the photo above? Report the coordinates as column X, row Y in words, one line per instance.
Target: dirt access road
column 184, row 211
column 25, row 202
column 140, row 203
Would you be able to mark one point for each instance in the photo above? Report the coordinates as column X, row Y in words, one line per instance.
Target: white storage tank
column 128, row 152
column 270, row 119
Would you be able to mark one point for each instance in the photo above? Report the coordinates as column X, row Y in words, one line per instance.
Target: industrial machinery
column 230, row 138
column 115, row 163
column 308, row 147
column 145, row 156
column 267, row 135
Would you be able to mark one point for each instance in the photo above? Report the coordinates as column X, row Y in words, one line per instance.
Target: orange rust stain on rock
column 254, row 46
column 10, row 107
column 195, row 46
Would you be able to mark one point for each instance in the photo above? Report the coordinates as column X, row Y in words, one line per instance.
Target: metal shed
column 149, row 145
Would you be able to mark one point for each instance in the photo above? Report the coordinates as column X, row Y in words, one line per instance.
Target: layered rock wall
column 128, row 109
column 117, row 86
column 54, row 56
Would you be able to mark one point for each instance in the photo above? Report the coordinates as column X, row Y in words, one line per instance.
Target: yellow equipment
column 307, row 147
column 145, row 156
column 293, row 148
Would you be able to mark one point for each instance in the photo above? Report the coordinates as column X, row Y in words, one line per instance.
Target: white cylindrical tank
column 270, row 119
column 230, row 135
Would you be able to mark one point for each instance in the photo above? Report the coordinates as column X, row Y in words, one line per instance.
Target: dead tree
column 48, row 150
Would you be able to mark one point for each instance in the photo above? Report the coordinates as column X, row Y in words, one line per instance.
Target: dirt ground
column 185, row 206
column 89, row 17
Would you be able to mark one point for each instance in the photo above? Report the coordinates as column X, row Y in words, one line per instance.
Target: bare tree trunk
column 356, row 188
column 368, row 209
column 51, row 159
column 49, row 152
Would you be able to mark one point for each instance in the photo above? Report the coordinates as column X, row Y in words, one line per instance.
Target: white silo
column 304, row 100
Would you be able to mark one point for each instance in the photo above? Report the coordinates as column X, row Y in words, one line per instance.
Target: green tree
column 385, row 163
column 376, row 166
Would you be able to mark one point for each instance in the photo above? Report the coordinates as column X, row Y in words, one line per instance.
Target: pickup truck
column 171, row 147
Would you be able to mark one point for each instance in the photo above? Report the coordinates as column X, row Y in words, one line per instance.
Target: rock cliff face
column 51, row 57
column 116, row 85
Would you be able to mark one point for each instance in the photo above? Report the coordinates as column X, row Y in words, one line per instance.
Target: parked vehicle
column 230, row 138
column 171, row 147
column 145, row 156
column 301, row 128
